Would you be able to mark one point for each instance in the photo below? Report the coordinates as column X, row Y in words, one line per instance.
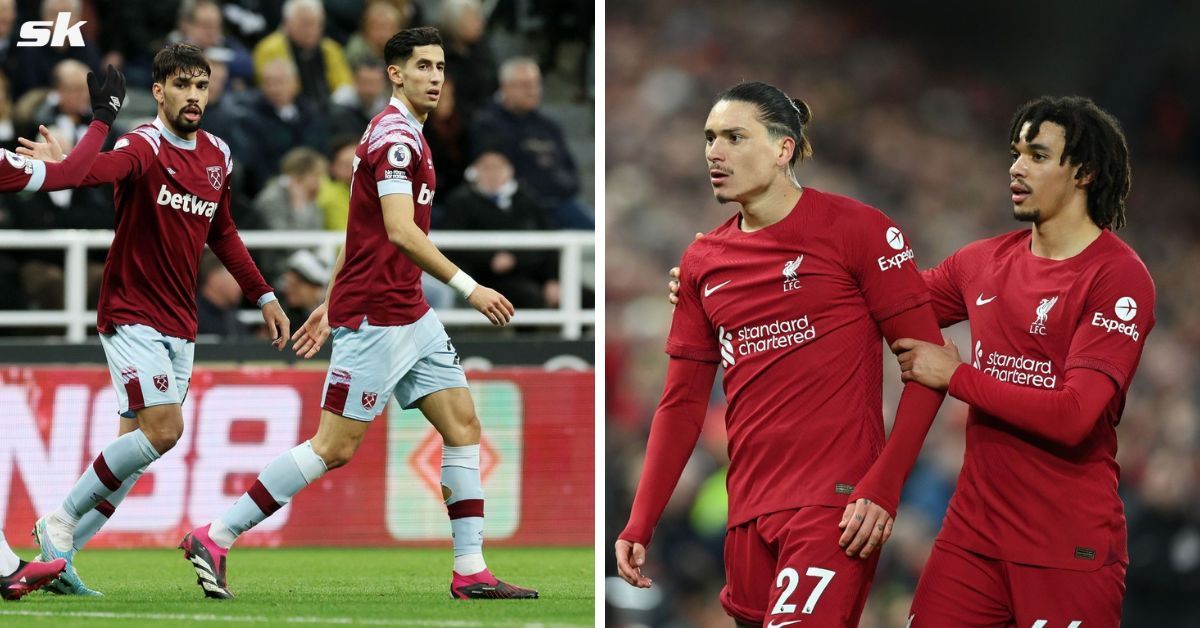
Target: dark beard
column 184, row 125
column 1031, row 215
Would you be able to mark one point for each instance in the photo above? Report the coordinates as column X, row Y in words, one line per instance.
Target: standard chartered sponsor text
column 775, row 335
column 1020, row 370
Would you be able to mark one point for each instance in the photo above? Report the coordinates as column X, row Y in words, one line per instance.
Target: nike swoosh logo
column 708, row 291
column 783, row 623
column 979, row 300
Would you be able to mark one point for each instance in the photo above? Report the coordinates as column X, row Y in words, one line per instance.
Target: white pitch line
column 350, row 621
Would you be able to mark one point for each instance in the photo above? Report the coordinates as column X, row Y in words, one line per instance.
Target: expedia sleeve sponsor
column 1117, row 318
column 881, row 262
column 887, row 263
column 1125, row 309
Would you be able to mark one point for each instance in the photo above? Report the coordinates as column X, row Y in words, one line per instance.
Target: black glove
column 106, row 98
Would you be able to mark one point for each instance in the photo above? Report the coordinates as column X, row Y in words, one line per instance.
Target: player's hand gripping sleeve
column 1065, row 416
column 69, row 173
column 914, row 415
column 225, row 242
column 673, row 435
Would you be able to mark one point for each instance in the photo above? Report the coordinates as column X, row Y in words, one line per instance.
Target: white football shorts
column 147, row 368
column 372, row 363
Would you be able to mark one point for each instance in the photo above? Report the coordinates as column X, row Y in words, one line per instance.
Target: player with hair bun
column 793, row 295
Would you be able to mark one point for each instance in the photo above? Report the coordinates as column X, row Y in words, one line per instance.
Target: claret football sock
column 95, row 519
column 121, row 459
column 464, row 503
column 284, row 477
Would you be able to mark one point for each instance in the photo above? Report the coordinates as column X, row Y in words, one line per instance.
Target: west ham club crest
column 216, row 176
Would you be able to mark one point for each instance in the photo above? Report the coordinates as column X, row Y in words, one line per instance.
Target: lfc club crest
column 368, row 399
column 216, row 176
column 161, row 382
column 1038, row 326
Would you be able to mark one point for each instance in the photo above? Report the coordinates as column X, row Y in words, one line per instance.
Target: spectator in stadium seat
column 334, row 195
column 534, row 143
column 276, row 121
column 217, row 301
column 67, row 112
column 33, row 66
column 446, row 131
column 302, row 286
column 223, row 111
column 319, row 61
column 288, row 202
column 200, row 23
column 492, row 200
column 469, row 59
column 251, row 20
column 67, row 108
column 380, row 20
column 353, row 110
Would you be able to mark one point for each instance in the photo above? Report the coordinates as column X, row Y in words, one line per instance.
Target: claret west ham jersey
column 19, row 173
column 1019, row 498
column 791, row 312
column 377, row 280
column 172, row 197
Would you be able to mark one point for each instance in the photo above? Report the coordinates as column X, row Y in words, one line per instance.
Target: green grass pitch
column 315, row 587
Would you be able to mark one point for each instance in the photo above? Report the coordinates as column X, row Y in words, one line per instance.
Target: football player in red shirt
column 792, row 295
column 1035, row 534
column 172, row 196
column 20, row 173
column 387, row 341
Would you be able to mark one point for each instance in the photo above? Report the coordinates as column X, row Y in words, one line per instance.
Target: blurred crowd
column 911, row 114
column 294, row 84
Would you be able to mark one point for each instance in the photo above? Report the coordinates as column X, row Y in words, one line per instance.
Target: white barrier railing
column 570, row 317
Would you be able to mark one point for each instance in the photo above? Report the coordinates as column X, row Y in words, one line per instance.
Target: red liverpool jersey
column 378, row 281
column 1020, row 498
column 172, row 196
column 791, row 311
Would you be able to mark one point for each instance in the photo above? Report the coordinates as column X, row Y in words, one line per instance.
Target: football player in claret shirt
column 386, row 340
column 793, row 295
column 19, row 173
column 172, row 196
column 1035, row 534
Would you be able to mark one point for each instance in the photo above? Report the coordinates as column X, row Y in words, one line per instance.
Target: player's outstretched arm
column 407, row 236
column 1075, row 407
column 673, row 435
column 67, row 171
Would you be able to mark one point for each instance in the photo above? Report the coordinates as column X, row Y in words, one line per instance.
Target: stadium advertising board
column 537, row 460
